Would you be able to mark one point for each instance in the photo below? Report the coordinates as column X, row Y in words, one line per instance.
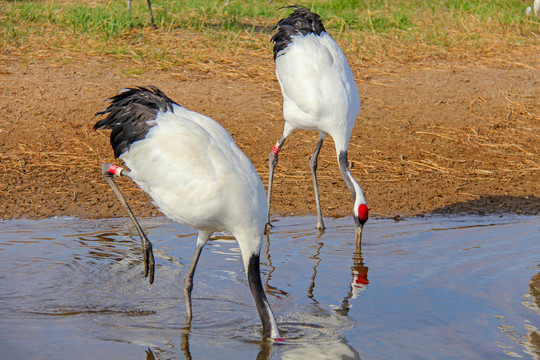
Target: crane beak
column 358, row 234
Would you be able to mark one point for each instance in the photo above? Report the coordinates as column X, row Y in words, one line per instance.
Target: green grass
column 372, row 26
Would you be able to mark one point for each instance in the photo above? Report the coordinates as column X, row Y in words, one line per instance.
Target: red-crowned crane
column 319, row 94
column 196, row 175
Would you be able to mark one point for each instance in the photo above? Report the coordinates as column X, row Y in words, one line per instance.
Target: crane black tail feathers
column 300, row 21
column 128, row 114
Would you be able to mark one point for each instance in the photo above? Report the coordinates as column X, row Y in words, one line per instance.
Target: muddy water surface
column 422, row 288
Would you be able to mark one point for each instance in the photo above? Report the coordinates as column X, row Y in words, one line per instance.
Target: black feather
column 128, row 115
column 300, row 21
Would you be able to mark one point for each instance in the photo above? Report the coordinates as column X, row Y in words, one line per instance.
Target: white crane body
column 196, row 175
column 318, row 87
column 319, row 94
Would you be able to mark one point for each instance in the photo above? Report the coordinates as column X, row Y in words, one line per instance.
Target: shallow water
column 422, row 288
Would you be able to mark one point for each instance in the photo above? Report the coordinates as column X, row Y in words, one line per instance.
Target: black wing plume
column 128, row 115
column 300, row 21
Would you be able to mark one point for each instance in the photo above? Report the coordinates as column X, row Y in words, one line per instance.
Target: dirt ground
column 435, row 137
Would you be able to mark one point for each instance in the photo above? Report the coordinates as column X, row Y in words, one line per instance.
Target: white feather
column 197, row 176
column 318, row 87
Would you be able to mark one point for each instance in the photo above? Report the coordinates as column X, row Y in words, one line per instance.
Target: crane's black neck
column 255, row 284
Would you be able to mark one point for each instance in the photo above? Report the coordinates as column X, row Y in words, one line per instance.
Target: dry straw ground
column 453, row 129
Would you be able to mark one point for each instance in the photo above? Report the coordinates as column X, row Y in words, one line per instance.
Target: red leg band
column 276, row 149
column 116, row 170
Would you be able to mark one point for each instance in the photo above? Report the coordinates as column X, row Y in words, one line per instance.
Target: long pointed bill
column 358, row 234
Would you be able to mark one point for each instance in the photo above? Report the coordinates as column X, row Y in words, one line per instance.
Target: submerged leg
column 313, row 167
column 273, row 160
column 188, row 278
column 108, row 171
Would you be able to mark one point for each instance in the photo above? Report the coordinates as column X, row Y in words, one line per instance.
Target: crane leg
column 188, row 278
column 313, row 167
column 151, row 14
column 108, row 171
column 272, row 160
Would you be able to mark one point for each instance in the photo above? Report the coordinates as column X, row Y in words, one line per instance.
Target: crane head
column 361, row 215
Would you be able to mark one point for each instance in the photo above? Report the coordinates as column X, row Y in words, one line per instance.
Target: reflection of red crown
column 362, row 277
